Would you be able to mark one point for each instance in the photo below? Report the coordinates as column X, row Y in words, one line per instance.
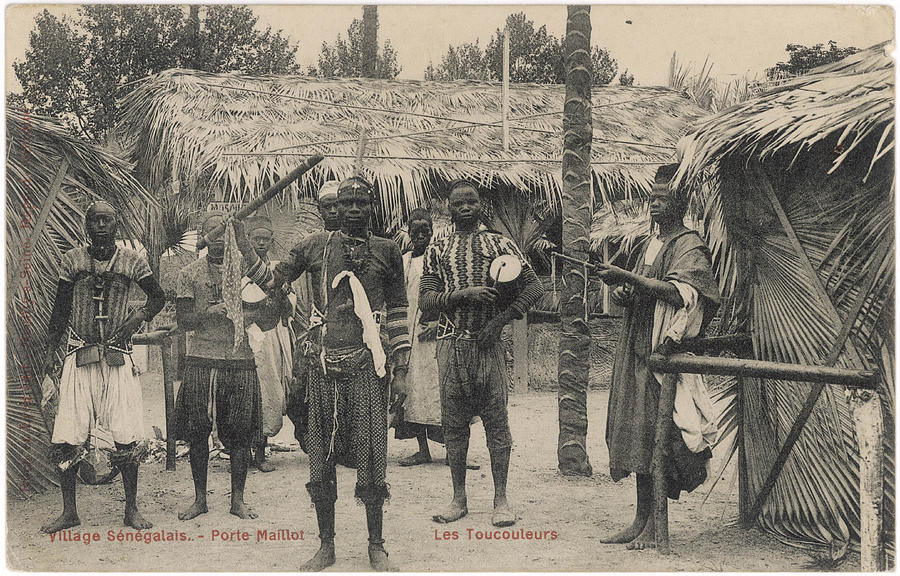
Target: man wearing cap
column 220, row 387
column 271, row 349
column 456, row 284
column 308, row 321
column 669, row 295
column 98, row 385
column 360, row 275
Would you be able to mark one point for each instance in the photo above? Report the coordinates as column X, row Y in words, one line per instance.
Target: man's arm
column 659, row 289
column 59, row 316
column 433, row 296
column 188, row 317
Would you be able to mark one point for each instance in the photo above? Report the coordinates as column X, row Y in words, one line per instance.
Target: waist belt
column 87, row 353
column 447, row 329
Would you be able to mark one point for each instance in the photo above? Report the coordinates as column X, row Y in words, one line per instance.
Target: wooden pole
column 658, row 464
column 267, row 195
column 681, row 363
column 865, row 406
column 519, row 326
column 505, row 91
column 168, row 366
column 744, row 502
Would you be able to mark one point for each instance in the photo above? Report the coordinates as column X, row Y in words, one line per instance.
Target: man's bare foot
column 264, row 465
column 134, row 519
column 241, row 510
column 378, row 558
column 196, row 509
column 628, row 534
column 647, row 538
column 503, row 515
column 415, row 459
column 64, row 521
column 323, row 559
column 457, row 510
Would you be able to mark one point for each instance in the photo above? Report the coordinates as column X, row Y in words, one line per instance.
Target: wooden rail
column 865, row 407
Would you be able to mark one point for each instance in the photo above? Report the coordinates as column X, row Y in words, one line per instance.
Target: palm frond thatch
column 235, row 134
column 801, row 214
column 36, row 149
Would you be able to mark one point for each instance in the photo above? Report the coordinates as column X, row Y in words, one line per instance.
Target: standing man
column 308, row 321
column 360, row 275
column 421, row 409
column 98, row 386
column 671, row 294
column 220, row 387
column 471, row 362
column 271, row 349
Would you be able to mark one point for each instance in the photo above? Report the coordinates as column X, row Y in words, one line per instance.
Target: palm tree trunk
column 575, row 338
column 369, row 40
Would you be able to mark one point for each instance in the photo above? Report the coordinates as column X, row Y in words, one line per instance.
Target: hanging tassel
column 231, row 285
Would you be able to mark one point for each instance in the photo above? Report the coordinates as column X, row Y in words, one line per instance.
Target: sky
column 738, row 40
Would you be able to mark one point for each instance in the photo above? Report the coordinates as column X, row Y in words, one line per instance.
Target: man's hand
column 475, row 294
column 217, row 309
column 243, row 242
column 428, row 332
column 622, row 295
column 612, row 274
column 127, row 329
column 490, row 332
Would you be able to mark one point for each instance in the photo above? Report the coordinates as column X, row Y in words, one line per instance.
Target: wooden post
column 505, row 91
column 168, row 362
column 865, row 406
column 605, row 288
column 744, row 502
column 520, row 326
column 658, row 464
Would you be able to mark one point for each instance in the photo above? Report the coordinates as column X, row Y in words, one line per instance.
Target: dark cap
column 665, row 174
column 355, row 184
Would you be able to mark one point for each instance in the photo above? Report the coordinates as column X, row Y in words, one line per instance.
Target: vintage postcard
column 450, row 288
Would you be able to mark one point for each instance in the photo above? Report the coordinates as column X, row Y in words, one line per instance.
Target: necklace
column 355, row 253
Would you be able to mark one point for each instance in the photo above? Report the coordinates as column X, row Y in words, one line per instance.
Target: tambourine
column 506, row 277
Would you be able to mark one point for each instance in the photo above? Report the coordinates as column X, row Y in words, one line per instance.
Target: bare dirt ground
column 579, row 510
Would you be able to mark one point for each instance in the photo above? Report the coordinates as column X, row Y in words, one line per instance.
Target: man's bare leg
column 324, row 556
column 502, row 515
column 69, row 517
column 647, row 538
column 644, row 506
column 199, row 456
column 240, row 459
column 423, row 456
column 457, row 451
column 262, row 464
column 129, row 471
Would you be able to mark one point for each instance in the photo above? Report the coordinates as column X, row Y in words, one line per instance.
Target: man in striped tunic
column 98, row 385
column 471, row 362
column 360, row 275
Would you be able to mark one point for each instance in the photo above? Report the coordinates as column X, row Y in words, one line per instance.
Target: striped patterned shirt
column 117, row 276
column 463, row 260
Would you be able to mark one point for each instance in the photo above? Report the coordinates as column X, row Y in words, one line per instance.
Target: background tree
column 75, row 68
column 534, row 56
column 347, row 58
column 575, row 336
column 626, row 79
column 802, row 59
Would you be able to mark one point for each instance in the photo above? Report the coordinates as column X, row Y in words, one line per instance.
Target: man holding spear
column 360, row 275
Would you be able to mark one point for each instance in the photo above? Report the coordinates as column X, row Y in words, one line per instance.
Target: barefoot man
column 98, row 385
column 220, row 387
column 471, row 361
column 360, row 275
column 671, row 294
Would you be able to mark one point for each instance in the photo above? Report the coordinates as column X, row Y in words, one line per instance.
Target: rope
column 449, row 159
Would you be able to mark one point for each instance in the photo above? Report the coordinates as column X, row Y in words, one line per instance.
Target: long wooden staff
column 269, row 193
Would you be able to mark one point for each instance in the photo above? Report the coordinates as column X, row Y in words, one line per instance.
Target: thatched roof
column 238, row 132
column 801, row 227
column 35, row 151
column 853, row 98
